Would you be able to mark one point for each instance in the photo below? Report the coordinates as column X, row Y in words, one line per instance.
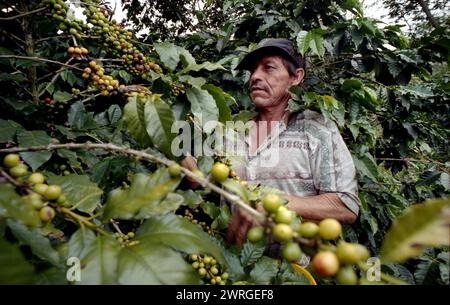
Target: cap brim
column 249, row 60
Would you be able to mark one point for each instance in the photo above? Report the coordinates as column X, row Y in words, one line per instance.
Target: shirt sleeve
column 332, row 166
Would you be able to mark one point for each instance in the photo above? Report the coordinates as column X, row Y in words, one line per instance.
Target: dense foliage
column 132, row 219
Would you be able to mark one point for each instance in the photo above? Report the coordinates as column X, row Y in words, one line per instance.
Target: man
column 314, row 166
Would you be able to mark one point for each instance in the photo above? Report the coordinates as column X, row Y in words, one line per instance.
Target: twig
column 23, row 14
column 82, row 220
column 144, row 155
column 54, row 78
column 411, row 160
column 10, row 179
column 116, row 226
column 40, row 59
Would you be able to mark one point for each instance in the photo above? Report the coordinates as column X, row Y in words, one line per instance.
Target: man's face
column 269, row 82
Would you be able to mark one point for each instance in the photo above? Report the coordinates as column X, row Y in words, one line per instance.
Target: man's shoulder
column 312, row 119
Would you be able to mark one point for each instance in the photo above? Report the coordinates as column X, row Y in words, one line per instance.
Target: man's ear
column 298, row 78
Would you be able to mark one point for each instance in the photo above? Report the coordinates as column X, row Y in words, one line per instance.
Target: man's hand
column 239, row 226
column 190, row 164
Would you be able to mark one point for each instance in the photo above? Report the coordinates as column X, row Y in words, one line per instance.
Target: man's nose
column 256, row 75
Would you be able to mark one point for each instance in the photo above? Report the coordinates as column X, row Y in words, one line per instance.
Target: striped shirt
column 305, row 158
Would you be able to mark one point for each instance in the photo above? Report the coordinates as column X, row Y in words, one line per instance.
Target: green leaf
column 114, row 114
column 445, row 181
column 292, row 277
column 237, row 188
column 192, row 199
column 222, row 221
column 69, row 77
column 40, row 245
column 316, row 43
column 203, row 106
column 135, row 122
column 14, row 268
column 210, row 209
column 251, row 253
column 179, row 234
column 34, row 138
column 99, row 264
column 169, row 204
column 155, row 258
column 158, row 122
column 205, row 163
column 171, row 55
column 71, row 156
column 366, row 166
column 417, row 90
column 150, row 263
column 265, row 270
column 80, row 242
column 16, row 77
column 79, row 119
column 193, row 81
column 303, row 42
column 51, row 276
column 426, row 272
column 206, row 65
column 79, row 191
column 14, row 206
column 143, row 198
column 221, row 101
column 329, row 102
column 62, row 97
column 421, row 225
column 8, row 130
column 109, row 170
column 349, row 85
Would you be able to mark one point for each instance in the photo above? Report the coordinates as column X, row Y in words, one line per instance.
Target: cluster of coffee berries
column 118, row 42
column 338, row 261
column 59, row 9
column 328, row 261
column 126, row 240
column 77, row 52
column 42, row 194
column 105, row 83
column 62, row 169
column 177, row 89
column 194, row 215
column 280, row 219
column 208, row 269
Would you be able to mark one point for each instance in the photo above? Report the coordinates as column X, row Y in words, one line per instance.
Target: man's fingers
column 233, row 227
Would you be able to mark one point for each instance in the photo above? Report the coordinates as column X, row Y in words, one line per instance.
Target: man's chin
column 261, row 102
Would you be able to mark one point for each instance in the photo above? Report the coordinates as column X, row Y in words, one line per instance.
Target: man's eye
column 270, row 67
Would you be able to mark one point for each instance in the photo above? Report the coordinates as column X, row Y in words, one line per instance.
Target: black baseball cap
column 278, row 46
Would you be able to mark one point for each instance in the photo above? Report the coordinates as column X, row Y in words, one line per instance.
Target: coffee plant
column 91, row 188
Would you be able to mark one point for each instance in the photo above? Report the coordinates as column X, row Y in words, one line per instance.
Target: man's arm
column 316, row 208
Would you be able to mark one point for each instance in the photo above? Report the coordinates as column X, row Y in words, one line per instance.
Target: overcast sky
column 373, row 9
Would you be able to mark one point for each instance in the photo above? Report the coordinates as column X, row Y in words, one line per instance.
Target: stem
column 82, row 220
column 10, row 179
column 411, row 160
column 29, row 50
column 116, row 227
column 40, row 59
column 427, row 12
column 143, row 155
column 23, row 14
column 54, row 78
